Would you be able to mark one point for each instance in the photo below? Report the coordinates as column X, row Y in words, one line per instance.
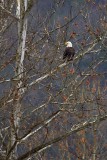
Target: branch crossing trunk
column 18, row 91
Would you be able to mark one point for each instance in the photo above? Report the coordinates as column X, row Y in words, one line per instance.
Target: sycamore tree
column 50, row 109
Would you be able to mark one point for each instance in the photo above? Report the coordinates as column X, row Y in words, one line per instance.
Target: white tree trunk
column 22, row 30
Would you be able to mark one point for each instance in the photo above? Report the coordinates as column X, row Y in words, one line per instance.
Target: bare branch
column 9, row 13
column 74, row 129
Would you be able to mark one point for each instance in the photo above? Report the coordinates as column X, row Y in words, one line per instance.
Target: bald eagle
column 69, row 52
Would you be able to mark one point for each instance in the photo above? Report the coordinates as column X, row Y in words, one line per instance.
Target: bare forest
column 51, row 109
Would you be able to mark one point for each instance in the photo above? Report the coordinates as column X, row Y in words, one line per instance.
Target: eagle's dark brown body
column 69, row 54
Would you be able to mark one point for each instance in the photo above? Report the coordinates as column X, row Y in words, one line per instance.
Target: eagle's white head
column 68, row 44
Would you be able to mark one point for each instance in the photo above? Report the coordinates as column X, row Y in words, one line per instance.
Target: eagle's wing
column 69, row 53
column 65, row 54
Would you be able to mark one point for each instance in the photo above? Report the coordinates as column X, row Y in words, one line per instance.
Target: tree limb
column 74, row 129
column 9, row 13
